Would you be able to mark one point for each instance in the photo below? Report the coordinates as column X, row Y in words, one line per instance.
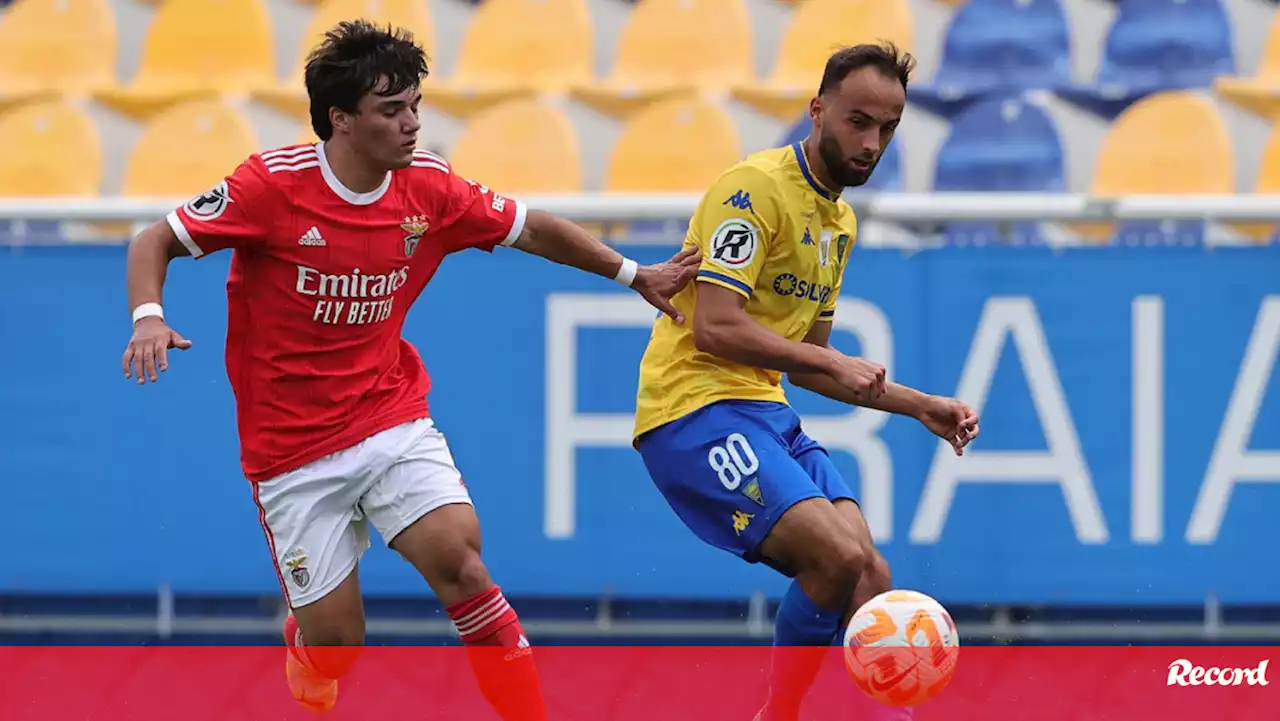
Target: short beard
column 837, row 167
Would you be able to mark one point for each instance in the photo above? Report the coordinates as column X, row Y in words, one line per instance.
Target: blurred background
column 1072, row 231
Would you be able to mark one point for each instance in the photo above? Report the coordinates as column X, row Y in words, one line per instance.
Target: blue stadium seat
column 1157, row 45
column 1003, row 144
column 888, row 173
column 998, row 47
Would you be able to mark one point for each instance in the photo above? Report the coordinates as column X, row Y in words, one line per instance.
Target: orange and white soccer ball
column 901, row 648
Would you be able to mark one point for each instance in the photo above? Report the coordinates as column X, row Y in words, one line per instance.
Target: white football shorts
column 316, row 518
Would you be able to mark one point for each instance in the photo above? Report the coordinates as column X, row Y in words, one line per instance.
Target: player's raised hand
column 149, row 349
column 660, row 282
column 952, row 421
column 865, row 379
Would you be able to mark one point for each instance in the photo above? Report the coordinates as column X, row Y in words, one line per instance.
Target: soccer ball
column 901, row 648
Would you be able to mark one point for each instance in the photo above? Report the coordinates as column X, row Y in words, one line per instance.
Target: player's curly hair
column 354, row 57
column 884, row 56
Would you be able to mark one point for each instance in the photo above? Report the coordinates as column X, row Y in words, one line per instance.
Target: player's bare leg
column 324, row 639
column 444, row 546
column 812, row 540
column 876, row 577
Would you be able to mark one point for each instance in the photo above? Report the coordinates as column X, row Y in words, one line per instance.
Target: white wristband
column 627, row 273
column 147, row 310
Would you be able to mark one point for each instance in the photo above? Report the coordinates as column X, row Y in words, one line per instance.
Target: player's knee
column 838, row 567
column 876, row 579
column 334, row 632
column 466, row 575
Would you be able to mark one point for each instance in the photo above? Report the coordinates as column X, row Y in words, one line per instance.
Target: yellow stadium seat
column 1268, row 183
column 521, row 146
column 1171, row 143
column 51, row 148
column 1259, row 94
column 290, row 96
column 817, row 29
column 56, row 47
column 187, row 148
column 670, row 48
column 673, row 146
column 513, row 49
column 198, row 49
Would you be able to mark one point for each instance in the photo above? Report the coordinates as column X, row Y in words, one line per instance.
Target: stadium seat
column 56, row 47
column 198, row 49
column 998, row 47
column 1268, row 183
column 1260, row 93
column 187, row 148
column 1171, row 143
column 1007, row 145
column 816, row 29
column 888, row 173
column 521, row 146
column 290, row 96
column 1158, row 45
column 679, row 145
column 670, row 48
column 52, row 148
column 513, row 49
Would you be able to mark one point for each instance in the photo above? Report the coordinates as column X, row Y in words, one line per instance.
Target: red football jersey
column 321, row 281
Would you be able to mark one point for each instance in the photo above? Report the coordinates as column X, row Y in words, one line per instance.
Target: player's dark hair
column 353, row 59
column 884, row 56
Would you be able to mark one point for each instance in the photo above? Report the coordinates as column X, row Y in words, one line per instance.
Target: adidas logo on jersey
column 312, row 237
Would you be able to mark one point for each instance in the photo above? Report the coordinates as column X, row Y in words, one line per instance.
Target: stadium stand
column 185, row 56
column 528, row 146
column 812, row 31
column 51, row 48
column 289, row 96
column 663, row 52
column 501, row 38
column 134, row 99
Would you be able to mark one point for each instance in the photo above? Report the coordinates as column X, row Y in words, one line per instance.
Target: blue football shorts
column 732, row 468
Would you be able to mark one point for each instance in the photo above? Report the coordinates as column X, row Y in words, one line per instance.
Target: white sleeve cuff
column 184, row 237
column 517, row 225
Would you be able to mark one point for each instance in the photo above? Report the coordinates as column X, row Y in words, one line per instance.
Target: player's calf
column 812, row 542
column 444, row 546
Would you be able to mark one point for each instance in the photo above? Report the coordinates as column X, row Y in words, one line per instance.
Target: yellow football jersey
column 768, row 230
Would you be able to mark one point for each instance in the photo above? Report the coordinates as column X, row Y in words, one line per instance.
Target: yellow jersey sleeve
column 735, row 227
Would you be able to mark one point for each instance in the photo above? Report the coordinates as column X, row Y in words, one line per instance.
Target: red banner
column 636, row 684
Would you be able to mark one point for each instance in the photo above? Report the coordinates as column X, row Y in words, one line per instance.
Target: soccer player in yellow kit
column 713, row 424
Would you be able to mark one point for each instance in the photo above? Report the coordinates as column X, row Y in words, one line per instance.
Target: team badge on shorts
column 296, row 560
column 415, row 226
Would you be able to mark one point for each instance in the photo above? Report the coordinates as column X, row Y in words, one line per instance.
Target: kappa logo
column 740, row 200
column 415, row 226
column 1184, row 673
column 208, row 206
column 734, row 243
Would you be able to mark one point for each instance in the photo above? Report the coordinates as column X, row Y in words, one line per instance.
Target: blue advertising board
column 1129, row 455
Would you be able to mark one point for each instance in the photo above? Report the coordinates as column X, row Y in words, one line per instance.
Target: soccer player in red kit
column 332, row 243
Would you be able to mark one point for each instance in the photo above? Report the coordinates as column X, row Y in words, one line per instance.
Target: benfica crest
column 414, row 227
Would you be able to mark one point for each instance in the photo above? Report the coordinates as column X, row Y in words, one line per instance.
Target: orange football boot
column 311, row 690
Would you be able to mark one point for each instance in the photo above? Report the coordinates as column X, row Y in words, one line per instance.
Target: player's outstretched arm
column 722, row 327
column 947, row 418
column 561, row 241
column 147, row 266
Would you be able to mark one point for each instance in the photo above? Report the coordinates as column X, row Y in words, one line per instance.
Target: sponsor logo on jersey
column 208, row 206
column 734, row 243
column 787, row 284
column 352, row 288
column 740, row 200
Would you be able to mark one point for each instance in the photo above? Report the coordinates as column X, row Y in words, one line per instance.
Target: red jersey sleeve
column 230, row 215
column 473, row 216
